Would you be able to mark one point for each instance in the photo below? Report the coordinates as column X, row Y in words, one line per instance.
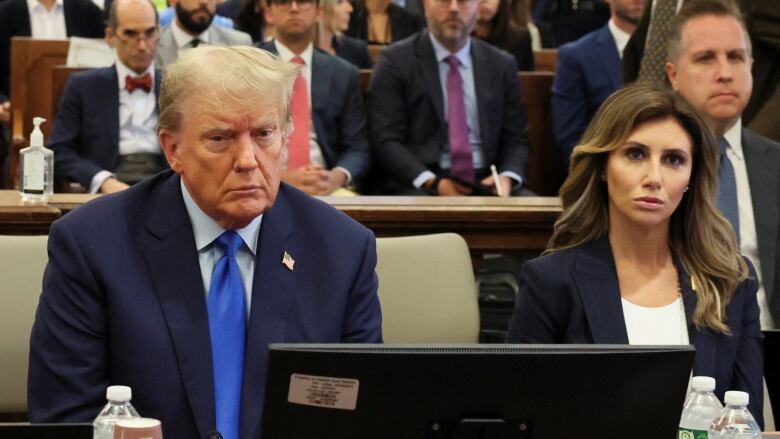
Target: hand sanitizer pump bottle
column 36, row 167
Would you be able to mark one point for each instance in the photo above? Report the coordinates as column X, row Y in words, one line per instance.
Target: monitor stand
column 480, row 428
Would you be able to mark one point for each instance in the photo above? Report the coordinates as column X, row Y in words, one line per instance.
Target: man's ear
column 671, row 74
column 170, row 142
column 110, row 36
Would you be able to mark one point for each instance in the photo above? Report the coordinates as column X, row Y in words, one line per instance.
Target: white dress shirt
column 206, row 231
column 137, row 121
column 748, row 237
column 663, row 325
column 45, row 24
column 184, row 40
column 620, row 36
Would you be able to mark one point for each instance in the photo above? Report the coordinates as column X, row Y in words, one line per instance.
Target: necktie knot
column 195, row 42
column 723, row 144
column 229, row 242
column 453, row 61
column 298, row 60
column 143, row 82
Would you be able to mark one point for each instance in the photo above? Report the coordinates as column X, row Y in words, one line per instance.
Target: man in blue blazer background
column 143, row 286
column 105, row 132
column 407, row 108
column 587, row 71
column 338, row 147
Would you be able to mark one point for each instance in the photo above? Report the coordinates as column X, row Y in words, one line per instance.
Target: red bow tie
column 143, row 82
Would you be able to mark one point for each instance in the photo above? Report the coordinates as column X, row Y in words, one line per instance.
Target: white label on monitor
column 327, row 392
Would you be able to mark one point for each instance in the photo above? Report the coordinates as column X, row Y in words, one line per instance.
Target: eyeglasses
column 132, row 36
column 302, row 4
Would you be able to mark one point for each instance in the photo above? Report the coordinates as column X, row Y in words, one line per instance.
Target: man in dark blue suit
column 587, row 71
column 177, row 286
column 412, row 132
column 105, row 132
column 335, row 152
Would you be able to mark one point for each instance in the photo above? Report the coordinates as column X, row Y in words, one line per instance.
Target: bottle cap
column 734, row 397
column 119, row 393
column 703, row 384
column 36, row 137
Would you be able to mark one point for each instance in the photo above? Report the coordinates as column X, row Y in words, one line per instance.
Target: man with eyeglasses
column 105, row 134
column 40, row 19
column 194, row 25
column 328, row 147
column 444, row 107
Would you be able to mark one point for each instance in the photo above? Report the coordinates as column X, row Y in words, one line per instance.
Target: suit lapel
column 321, row 74
column 71, row 15
column 761, row 163
column 426, row 62
column 110, row 92
column 172, row 259
column 24, row 22
column 272, row 296
column 166, row 48
column 484, row 78
column 597, row 283
column 610, row 58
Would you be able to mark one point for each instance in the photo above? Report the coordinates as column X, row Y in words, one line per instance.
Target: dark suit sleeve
column 68, row 370
column 355, row 151
column 363, row 317
column 749, row 366
column 388, row 120
column 513, row 145
column 540, row 308
column 569, row 101
column 523, row 52
column 66, row 135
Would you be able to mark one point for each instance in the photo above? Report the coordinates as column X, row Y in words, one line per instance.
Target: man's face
column 451, row 22
column 195, row 16
column 628, row 10
column 293, row 20
column 136, row 35
column 229, row 159
column 712, row 71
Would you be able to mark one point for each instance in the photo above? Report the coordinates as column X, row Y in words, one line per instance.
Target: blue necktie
column 727, row 188
column 227, row 325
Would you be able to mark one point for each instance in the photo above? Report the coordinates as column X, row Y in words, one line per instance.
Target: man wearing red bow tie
column 105, row 133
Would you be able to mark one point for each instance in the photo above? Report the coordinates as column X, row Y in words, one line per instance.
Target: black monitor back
column 45, row 431
column 479, row 391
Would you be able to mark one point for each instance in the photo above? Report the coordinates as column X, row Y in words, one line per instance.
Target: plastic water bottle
column 735, row 421
column 118, row 407
column 700, row 409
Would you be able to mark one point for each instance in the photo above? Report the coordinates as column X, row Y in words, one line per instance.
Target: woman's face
column 488, row 9
column 647, row 176
column 342, row 9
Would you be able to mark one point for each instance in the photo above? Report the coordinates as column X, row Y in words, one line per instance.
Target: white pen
column 497, row 181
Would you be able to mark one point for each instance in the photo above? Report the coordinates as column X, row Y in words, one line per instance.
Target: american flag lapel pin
column 288, row 261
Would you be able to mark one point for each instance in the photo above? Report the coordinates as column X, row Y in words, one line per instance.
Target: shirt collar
column 463, row 55
column 32, row 5
column 734, row 137
column 206, row 230
column 122, row 70
column 620, row 36
column 287, row 55
column 183, row 39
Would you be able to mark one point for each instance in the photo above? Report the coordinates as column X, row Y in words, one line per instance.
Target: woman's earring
column 603, row 176
column 686, row 189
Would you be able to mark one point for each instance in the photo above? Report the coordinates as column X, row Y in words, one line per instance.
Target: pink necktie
column 461, row 164
column 299, row 139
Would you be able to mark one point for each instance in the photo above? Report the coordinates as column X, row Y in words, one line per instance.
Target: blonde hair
column 700, row 238
column 217, row 77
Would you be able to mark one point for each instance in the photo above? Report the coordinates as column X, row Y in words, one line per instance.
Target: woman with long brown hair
column 640, row 253
column 495, row 25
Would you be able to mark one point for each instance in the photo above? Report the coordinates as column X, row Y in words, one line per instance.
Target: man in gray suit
column 192, row 27
column 709, row 65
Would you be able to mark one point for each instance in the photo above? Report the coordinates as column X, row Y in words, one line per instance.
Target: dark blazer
column 762, row 160
column 353, row 50
column 82, row 19
column 573, row 296
column 337, row 112
column 403, row 22
column 85, row 135
column 123, row 302
column 587, row 72
column 408, row 129
column 521, row 50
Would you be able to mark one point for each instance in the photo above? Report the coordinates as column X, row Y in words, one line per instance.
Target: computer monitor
column 45, row 431
column 475, row 391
